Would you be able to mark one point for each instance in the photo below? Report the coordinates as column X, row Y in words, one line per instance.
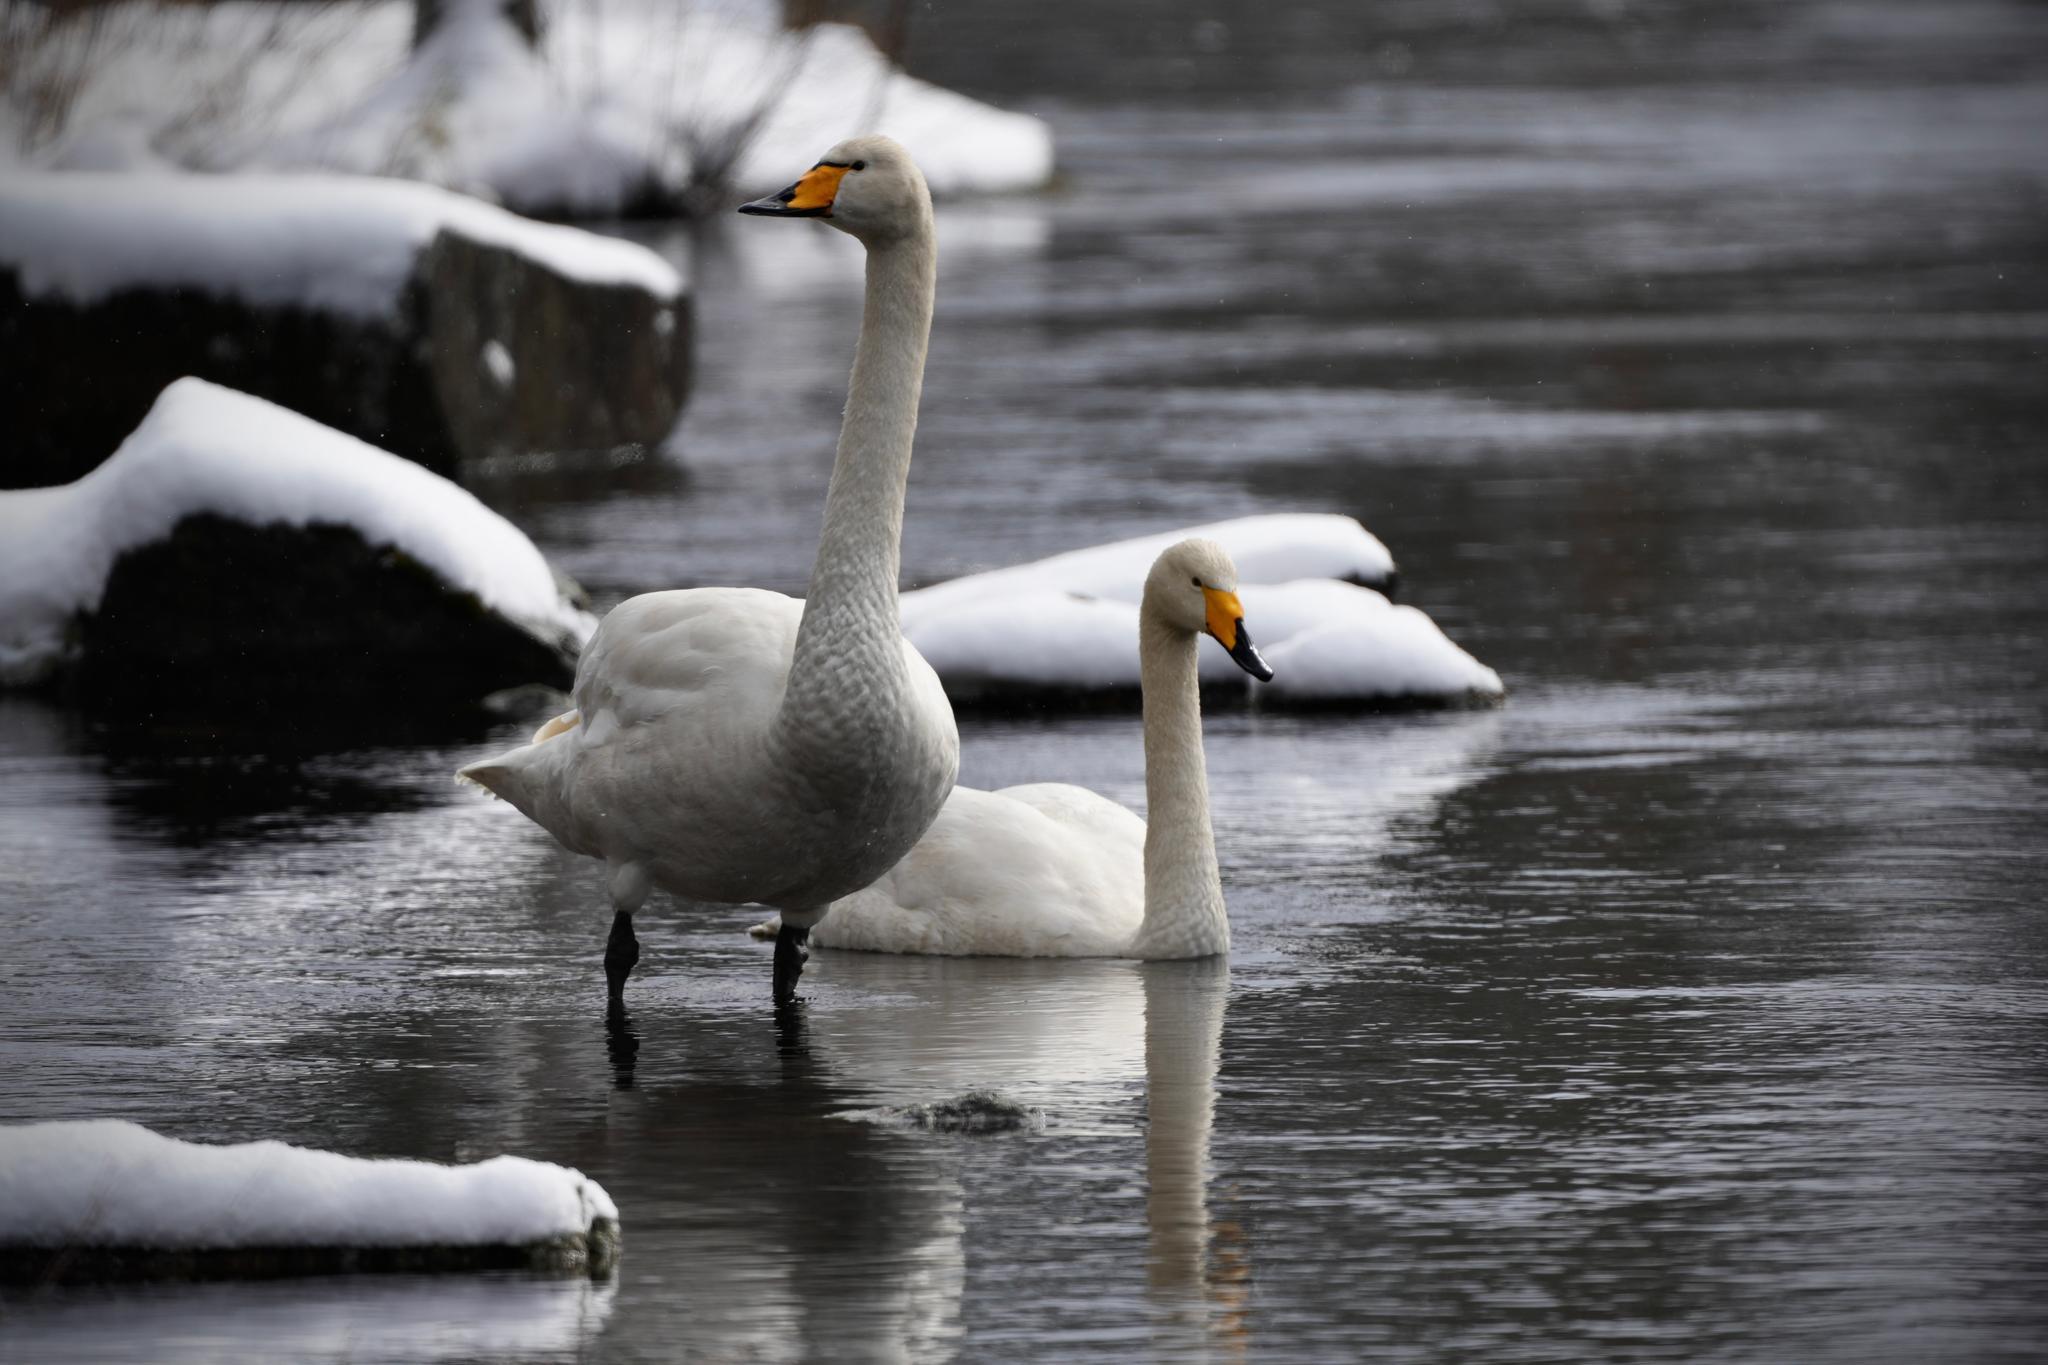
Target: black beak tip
column 1247, row 658
column 777, row 206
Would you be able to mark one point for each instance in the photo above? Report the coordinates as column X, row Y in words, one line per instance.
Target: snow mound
column 1335, row 642
column 1266, row 549
column 625, row 105
column 1069, row 624
column 333, row 242
column 202, row 449
column 108, row 1183
column 843, row 86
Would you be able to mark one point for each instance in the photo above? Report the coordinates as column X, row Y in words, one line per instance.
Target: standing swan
column 1052, row 870
column 734, row 745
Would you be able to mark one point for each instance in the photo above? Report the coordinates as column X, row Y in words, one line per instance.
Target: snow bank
column 347, row 244
column 628, row 103
column 842, row 86
column 1069, row 624
column 106, row 1183
column 208, row 449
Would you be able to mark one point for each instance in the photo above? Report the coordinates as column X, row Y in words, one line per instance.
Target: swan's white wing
column 674, row 697
column 663, row 650
column 1039, row 871
column 1085, row 813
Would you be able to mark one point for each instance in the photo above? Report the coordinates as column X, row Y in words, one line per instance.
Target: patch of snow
column 1070, row 622
column 1341, row 642
column 961, row 145
column 203, row 448
column 623, row 99
column 343, row 243
column 1266, row 549
column 105, row 1182
column 498, row 361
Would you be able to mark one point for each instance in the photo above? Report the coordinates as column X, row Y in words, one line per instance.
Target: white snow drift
column 203, row 448
column 334, row 242
column 114, row 1184
column 621, row 99
column 1070, row 622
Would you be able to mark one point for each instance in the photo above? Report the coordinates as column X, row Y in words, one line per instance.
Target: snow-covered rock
column 1337, row 644
column 1266, row 549
column 118, row 1197
column 625, row 106
column 1066, row 627
column 333, row 243
column 395, row 311
column 457, row 597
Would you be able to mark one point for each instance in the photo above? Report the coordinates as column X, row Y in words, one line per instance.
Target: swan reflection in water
column 1075, row 1040
column 413, row 1318
column 1199, row 1268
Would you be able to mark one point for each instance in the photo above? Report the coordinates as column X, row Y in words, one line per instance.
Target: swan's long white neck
column 849, row 647
column 1184, row 914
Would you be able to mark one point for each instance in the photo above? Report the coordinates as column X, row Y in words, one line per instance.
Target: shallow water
column 1692, row 1007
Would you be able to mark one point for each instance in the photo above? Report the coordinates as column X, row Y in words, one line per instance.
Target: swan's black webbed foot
column 621, row 952
column 789, row 961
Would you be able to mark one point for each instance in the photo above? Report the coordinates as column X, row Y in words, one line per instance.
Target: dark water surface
column 1694, row 1007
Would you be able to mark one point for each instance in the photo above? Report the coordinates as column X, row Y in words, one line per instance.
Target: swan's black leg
column 621, row 951
column 789, row 961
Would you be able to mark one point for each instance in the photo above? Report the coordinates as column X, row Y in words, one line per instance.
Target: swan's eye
column 1196, row 581
column 860, row 165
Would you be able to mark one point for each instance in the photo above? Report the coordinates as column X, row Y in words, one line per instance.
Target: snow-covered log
column 432, row 324
column 1064, row 630
column 232, row 549
column 105, row 1200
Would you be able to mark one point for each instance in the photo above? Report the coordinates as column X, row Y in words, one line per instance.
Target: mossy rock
column 268, row 623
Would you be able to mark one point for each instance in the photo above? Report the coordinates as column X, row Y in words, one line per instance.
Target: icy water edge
column 1691, row 1007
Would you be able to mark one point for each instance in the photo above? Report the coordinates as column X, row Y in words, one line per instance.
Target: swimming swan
column 736, row 745
column 1052, row 870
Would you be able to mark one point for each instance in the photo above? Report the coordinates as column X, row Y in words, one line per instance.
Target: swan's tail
column 516, row 775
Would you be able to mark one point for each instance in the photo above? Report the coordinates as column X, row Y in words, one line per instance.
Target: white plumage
column 1053, row 870
column 735, row 745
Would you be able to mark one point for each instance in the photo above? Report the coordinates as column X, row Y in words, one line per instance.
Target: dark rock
column 489, row 354
column 594, row 1252
column 977, row 1111
column 271, row 623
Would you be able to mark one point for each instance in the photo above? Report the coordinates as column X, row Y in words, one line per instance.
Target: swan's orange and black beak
column 810, row 197
column 1225, row 620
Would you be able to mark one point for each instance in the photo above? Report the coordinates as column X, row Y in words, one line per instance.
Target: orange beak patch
column 1224, row 612
column 816, row 190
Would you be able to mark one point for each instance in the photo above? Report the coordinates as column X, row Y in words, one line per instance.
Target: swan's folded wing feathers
column 661, row 650
column 1079, row 809
column 1055, row 874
